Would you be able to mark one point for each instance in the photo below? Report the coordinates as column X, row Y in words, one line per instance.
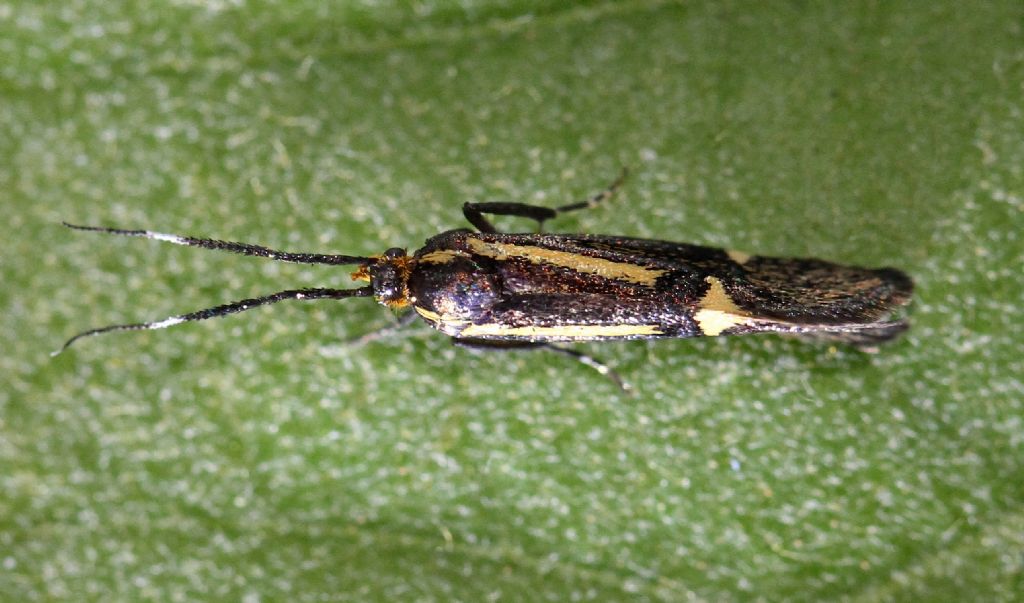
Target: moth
column 488, row 289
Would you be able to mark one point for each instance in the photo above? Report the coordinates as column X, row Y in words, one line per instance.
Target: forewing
column 689, row 289
column 741, row 293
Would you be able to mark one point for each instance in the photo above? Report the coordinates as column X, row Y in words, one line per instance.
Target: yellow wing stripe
column 625, row 271
column 560, row 331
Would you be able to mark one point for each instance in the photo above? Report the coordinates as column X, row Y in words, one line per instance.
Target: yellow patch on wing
column 625, row 271
column 740, row 257
column 716, row 311
column 439, row 322
column 442, row 256
column 560, row 331
column 429, row 315
column 436, row 318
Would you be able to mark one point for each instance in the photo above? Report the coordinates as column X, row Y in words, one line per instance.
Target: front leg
column 382, row 332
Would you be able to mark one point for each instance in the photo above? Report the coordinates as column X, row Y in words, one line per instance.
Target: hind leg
column 475, row 212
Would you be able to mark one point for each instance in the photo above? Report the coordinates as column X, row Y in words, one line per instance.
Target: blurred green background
column 255, row 458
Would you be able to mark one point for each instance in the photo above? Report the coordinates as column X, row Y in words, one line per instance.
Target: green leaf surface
column 258, row 458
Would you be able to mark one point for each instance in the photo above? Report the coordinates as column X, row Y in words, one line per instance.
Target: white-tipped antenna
column 224, row 310
column 231, row 308
column 233, row 247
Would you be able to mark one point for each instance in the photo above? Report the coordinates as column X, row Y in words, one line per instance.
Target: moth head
column 388, row 275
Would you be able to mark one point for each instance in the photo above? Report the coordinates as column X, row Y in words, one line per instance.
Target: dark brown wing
column 749, row 293
column 592, row 286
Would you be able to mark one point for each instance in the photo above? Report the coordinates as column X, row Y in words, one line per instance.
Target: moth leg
column 337, row 350
column 403, row 321
column 474, row 212
column 600, row 197
column 587, row 359
column 594, row 363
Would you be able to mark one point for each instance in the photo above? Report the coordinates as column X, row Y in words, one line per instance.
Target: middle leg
column 587, row 359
